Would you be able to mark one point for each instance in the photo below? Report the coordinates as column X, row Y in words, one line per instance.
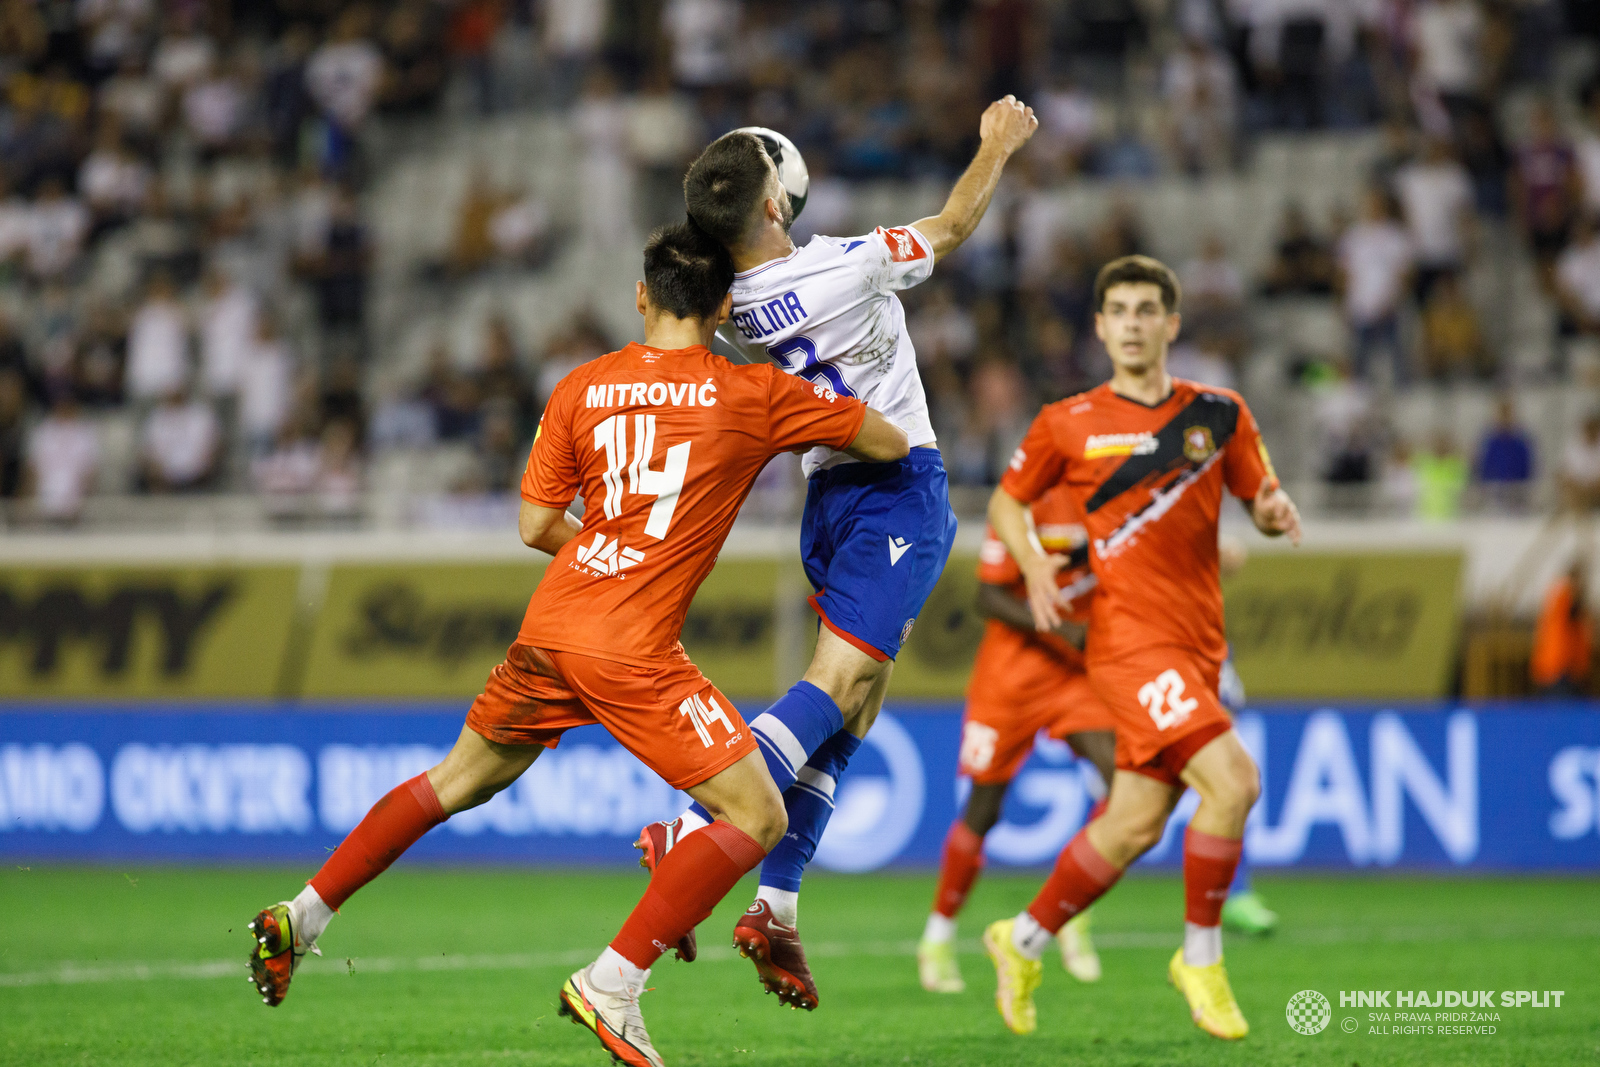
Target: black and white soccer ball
column 791, row 165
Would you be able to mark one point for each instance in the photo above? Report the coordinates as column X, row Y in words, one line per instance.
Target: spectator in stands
column 1302, row 263
column 1580, row 475
column 1375, row 264
column 414, row 55
column 158, row 343
column 1580, row 467
column 605, row 210
column 134, row 100
column 1069, row 123
column 662, row 137
column 1441, row 479
column 1399, row 489
column 1213, row 300
column 471, row 33
column 343, row 77
column 112, row 181
column 13, row 430
column 703, row 34
column 1544, row 188
column 1435, row 194
column 341, row 266
column 573, row 33
column 1448, row 36
column 1563, row 641
column 266, row 375
column 179, row 444
column 1504, row 467
column 1200, row 89
column 1452, row 341
column 339, row 469
column 503, row 382
column 1587, row 148
column 1577, row 282
column 63, row 458
column 185, row 53
column 227, row 328
column 454, row 397
column 57, row 227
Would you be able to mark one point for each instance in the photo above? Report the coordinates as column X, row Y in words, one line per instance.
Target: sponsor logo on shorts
column 1103, row 445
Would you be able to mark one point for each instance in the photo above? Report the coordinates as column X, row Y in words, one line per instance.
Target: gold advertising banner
column 937, row 658
column 416, row 629
column 1324, row 625
column 107, row 631
column 436, row 630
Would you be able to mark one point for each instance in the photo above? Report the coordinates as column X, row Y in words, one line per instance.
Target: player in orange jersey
column 1022, row 682
column 663, row 441
column 1148, row 457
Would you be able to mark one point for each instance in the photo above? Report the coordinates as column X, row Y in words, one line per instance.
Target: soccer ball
column 791, row 165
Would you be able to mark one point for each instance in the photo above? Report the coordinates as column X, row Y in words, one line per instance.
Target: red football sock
column 963, row 859
column 402, row 815
column 1208, row 865
column 696, row 874
column 1080, row 878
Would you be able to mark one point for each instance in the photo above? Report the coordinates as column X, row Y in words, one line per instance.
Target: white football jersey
column 828, row 312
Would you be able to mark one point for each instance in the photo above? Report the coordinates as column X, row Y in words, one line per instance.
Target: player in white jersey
column 874, row 536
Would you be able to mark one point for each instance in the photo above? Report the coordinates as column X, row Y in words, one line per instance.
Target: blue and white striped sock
column 788, row 733
column 810, row 805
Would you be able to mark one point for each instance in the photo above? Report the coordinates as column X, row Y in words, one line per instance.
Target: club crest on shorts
column 905, row 631
column 1198, row 444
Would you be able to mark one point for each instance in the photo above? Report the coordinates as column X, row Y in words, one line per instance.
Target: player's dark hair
column 726, row 185
column 1134, row 270
column 686, row 272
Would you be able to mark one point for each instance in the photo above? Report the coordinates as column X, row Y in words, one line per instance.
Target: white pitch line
column 184, row 970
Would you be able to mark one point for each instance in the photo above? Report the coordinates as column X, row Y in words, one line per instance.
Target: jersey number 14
column 665, row 484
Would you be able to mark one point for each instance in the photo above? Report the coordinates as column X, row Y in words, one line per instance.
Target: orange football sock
column 958, row 869
column 696, row 874
column 1208, row 865
column 394, row 824
column 1081, row 876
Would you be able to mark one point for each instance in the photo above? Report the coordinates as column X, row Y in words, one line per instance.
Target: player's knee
column 768, row 821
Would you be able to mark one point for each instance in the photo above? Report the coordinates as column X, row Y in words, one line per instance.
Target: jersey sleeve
column 1037, row 464
column 995, row 565
column 1245, row 461
column 551, row 479
column 803, row 412
column 894, row 258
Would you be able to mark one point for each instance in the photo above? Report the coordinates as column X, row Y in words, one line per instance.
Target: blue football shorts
column 875, row 538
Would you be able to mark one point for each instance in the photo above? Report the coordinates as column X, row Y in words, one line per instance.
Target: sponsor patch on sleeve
column 903, row 247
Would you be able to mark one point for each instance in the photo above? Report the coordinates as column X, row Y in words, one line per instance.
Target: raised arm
column 1006, row 126
column 880, row 441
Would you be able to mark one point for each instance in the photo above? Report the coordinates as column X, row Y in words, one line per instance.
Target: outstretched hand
column 1274, row 513
column 1007, row 123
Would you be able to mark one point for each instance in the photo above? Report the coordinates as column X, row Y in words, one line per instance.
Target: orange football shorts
column 1164, row 701
column 669, row 715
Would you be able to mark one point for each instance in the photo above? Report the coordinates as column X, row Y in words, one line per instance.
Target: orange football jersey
column 663, row 447
column 1150, row 481
column 1058, row 522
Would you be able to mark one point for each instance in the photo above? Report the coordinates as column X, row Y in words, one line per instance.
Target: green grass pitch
column 140, row 965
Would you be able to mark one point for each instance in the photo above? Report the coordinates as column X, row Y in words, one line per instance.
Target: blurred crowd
column 186, row 247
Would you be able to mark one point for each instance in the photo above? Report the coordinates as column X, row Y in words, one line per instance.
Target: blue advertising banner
column 1513, row 787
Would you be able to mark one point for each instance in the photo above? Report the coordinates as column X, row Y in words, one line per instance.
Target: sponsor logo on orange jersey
column 1102, row 445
